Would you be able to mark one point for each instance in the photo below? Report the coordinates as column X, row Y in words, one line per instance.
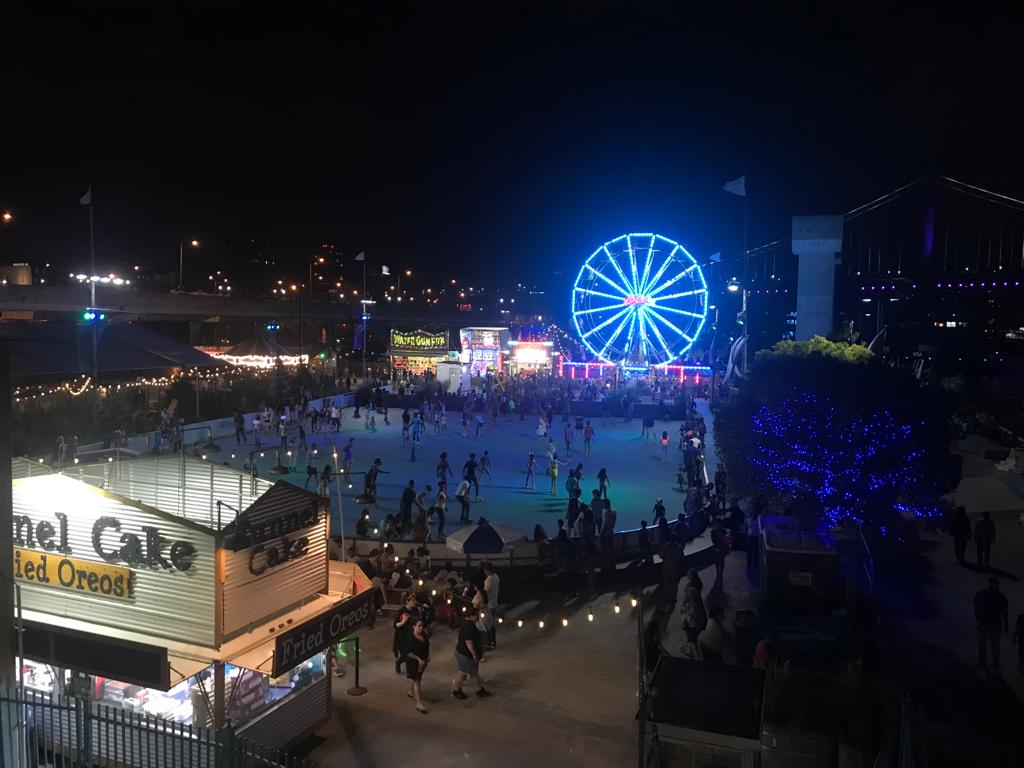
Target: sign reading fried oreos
column 298, row 644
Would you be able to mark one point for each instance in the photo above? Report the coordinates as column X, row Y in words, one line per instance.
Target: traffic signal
column 91, row 315
column 273, row 326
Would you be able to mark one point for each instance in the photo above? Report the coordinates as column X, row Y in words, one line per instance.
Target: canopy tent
column 65, row 350
column 484, row 539
column 262, row 351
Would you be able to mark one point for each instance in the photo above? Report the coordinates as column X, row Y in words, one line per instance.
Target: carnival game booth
column 482, row 349
column 531, row 356
column 417, row 351
column 184, row 594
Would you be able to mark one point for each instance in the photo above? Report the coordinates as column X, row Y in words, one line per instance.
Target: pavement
column 637, row 474
column 563, row 696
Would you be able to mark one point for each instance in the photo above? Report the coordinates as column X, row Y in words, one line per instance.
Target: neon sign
column 634, row 301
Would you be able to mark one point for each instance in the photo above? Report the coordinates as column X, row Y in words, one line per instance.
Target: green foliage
column 819, row 345
column 834, row 451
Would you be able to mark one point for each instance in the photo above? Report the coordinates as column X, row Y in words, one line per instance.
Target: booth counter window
column 248, row 693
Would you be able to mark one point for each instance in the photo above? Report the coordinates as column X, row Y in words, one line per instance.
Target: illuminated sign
column 71, row 573
column 420, row 341
column 635, row 301
column 147, row 547
column 530, row 354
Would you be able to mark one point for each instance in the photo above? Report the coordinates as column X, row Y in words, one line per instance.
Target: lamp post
column 341, row 505
column 734, row 286
column 181, row 262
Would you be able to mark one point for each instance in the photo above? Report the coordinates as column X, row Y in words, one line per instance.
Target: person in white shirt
column 462, row 494
column 492, row 585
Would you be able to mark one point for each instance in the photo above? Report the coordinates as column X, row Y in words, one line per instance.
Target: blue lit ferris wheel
column 640, row 299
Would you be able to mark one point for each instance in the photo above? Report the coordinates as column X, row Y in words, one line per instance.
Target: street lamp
column 7, row 216
column 735, row 286
column 181, row 262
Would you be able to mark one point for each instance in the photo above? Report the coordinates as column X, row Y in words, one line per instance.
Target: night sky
column 494, row 146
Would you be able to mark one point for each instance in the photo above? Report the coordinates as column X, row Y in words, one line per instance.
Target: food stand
column 530, row 356
column 417, row 351
column 182, row 591
column 482, row 348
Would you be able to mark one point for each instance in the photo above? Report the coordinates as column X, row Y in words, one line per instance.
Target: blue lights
column 621, row 304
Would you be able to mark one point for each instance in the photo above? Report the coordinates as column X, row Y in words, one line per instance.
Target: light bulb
column 632, row 602
column 501, row 620
column 590, row 616
column 541, row 623
column 420, row 582
column 519, row 623
column 616, row 608
column 433, row 593
column 565, row 622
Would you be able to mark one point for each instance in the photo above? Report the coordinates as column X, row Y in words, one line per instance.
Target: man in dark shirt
column 469, row 473
column 468, row 652
column 992, row 616
column 405, row 506
column 984, row 536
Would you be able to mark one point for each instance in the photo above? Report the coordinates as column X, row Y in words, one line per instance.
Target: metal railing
column 41, row 729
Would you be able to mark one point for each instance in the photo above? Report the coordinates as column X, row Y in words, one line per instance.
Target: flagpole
column 92, row 286
column 746, row 317
column 364, row 306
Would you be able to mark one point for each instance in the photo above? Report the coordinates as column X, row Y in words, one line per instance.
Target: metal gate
column 65, row 732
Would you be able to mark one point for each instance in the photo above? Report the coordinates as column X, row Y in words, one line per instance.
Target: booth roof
column 47, row 350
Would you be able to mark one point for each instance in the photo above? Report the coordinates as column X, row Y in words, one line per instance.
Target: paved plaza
column 635, row 467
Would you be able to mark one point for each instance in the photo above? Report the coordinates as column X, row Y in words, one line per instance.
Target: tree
column 824, row 426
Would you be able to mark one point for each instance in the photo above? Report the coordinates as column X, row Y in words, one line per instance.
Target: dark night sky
column 491, row 144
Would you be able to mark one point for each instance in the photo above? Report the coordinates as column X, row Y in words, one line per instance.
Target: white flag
column 361, row 256
column 715, row 256
column 86, row 199
column 737, row 186
column 384, row 270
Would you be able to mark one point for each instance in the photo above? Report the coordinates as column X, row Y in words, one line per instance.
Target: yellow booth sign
column 54, row 570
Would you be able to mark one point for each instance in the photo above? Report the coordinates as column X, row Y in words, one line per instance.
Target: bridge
column 123, row 304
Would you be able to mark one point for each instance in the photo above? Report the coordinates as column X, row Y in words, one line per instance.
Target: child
column 530, row 462
column 664, row 447
column 465, row 424
column 588, row 436
column 553, row 471
column 485, row 466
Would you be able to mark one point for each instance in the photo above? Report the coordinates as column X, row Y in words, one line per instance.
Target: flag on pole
column 715, row 256
column 737, row 186
column 358, row 339
column 384, row 270
column 361, row 256
column 86, row 199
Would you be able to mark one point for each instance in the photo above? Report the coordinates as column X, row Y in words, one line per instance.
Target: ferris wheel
column 640, row 299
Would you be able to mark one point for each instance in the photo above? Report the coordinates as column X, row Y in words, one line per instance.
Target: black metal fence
column 65, row 732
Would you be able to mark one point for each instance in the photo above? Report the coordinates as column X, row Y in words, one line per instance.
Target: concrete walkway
column 563, row 696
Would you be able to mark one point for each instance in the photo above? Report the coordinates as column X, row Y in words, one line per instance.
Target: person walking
column 960, row 530
column 658, row 512
column 694, row 613
column 530, row 464
column 485, row 466
column 721, row 543
column 469, row 474
column 603, row 482
column 417, row 657
column 310, row 469
column 1018, row 639
column 664, row 447
column 492, row 587
column 553, row 471
column 462, row 494
column 405, row 505
column 440, row 507
column 991, row 614
column 239, row 428
column 984, row 537
column 468, row 652
column 443, row 469
column 404, row 618
column 721, row 486
column 588, row 438
column 568, row 435
column 346, row 457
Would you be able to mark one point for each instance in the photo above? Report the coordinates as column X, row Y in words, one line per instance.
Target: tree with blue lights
column 839, row 440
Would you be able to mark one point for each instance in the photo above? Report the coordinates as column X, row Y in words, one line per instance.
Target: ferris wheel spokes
column 591, row 292
column 673, row 281
column 647, row 267
column 615, row 264
column 608, row 322
column 612, row 283
column 657, row 333
column 661, row 270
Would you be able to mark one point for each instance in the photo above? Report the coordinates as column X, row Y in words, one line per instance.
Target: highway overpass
column 63, row 302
